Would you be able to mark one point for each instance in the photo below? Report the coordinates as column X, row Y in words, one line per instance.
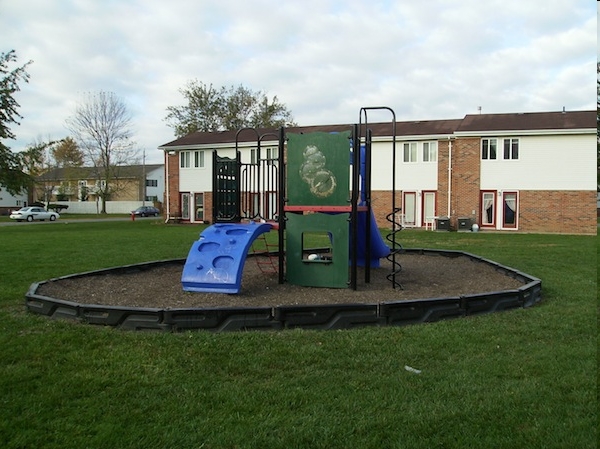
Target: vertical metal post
column 281, row 199
column 355, row 187
column 367, row 194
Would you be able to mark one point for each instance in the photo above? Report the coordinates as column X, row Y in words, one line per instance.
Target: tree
column 210, row 109
column 67, row 154
column 101, row 126
column 12, row 176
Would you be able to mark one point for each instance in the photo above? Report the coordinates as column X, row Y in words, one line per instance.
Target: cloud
column 324, row 59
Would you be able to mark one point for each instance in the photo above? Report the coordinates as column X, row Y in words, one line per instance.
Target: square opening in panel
column 317, row 247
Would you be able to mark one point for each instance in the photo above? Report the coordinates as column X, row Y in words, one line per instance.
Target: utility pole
column 144, row 178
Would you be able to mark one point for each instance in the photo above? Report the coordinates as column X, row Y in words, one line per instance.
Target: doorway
column 409, row 200
column 510, row 209
column 428, row 208
column 488, row 208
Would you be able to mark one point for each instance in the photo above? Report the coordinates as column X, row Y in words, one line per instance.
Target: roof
column 414, row 128
column 470, row 123
column 123, row 171
column 529, row 121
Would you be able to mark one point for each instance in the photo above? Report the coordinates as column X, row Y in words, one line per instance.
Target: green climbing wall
column 318, row 169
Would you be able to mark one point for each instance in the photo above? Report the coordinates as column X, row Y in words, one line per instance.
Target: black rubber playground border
column 325, row 317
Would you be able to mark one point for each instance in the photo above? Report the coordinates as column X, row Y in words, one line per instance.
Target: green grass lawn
column 517, row 379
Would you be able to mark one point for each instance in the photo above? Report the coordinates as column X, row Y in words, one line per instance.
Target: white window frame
column 409, row 151
column 199, row 159
column 185, row 158
column 513, row 151
column 429, row 151
column 271, row 155
column 486, row 154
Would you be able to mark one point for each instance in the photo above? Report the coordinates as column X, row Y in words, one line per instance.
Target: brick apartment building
column 526, row 172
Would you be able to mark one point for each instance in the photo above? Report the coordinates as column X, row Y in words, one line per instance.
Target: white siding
column 196, row 179
column 158, row 174
column 8, row 200
column 545, row 163
column 409, row 175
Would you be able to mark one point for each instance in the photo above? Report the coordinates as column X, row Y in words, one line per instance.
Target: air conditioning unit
column 465, row 223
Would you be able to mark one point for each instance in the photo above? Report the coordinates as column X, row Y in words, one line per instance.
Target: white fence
column 93, row 207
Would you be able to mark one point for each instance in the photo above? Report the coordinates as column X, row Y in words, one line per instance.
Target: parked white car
column 33, row 213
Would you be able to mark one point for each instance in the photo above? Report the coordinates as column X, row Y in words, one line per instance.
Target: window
column 511, row 148
column 410, row 152
column 271, row 155
column 151, row 183
column 488, row 148
column 184, row 159
column 268, row 154
column 429, row 151
column 199, row 159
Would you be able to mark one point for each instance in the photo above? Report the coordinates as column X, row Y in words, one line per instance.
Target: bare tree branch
column 102, row 126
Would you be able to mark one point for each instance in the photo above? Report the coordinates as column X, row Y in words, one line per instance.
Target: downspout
column 167, row 187
column 449, row 176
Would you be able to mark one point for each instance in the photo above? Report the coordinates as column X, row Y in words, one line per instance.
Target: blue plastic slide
column 378, row 247
column 216, row 260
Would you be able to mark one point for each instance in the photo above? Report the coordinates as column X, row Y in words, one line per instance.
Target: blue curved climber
column 216, row 260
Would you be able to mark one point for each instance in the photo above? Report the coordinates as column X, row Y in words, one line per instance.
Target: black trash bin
column 442, row 223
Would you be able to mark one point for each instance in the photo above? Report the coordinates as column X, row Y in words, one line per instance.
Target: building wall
column 8, row 200
column 540, row 211
column 564, row 211
column 126, row 190
column 552, row 177
column 443, row 176
column 548, row 162
column 157, row 174
column 172, row 202
column 465, row 179
column 382, row 206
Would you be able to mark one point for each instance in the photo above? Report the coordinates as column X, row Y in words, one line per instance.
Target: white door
column 410, row 208
column 428, row 208
column 488, row 209
column 185, row 206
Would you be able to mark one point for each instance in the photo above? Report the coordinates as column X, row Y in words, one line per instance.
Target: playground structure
column 251, row 200
column 318, row 186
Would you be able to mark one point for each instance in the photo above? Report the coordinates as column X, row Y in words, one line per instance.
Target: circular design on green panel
column 323, row 184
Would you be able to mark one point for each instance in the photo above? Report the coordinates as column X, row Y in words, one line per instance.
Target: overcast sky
column 324, row 59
